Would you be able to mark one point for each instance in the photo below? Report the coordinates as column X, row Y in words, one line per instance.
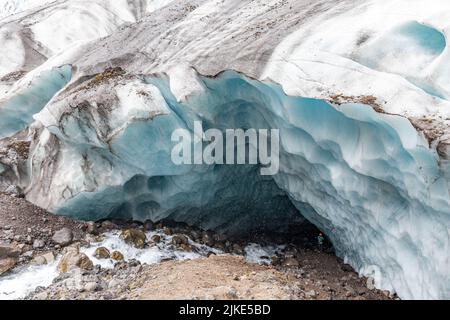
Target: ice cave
column 353, row 160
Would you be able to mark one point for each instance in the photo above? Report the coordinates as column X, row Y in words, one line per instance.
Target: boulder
column 134, row 237
column 102, row 253
column 208, row 239
column 63, row 237
column 38, row 244
column 39, row 261
column 91, row 228
column 49, row 257
column 9, row 251
column 74, row 260
column 156, row 238
column 117, row 256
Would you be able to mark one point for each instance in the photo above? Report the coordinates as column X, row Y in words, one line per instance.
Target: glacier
column 364, row 121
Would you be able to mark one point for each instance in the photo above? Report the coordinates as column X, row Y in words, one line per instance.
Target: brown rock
column 63, row 237
column 291, row 263
column 186, row 247
column 167, row 231
column 156, row 238
column 134, row 237
column 117, row 256
column 102, row 253
column 73, row 260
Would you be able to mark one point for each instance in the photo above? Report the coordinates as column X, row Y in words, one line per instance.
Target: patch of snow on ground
column 255, row 253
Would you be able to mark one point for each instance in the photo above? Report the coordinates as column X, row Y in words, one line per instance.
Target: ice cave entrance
column 17, row 112
column 366, row 179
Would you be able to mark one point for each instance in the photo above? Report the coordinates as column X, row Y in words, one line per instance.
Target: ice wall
column 367, row 179
column 18, row 108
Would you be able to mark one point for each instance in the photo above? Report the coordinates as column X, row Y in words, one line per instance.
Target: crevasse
column 368, row 180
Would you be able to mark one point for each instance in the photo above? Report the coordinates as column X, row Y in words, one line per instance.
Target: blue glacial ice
column 409, row 50
column 368, row 180
column 16, row 111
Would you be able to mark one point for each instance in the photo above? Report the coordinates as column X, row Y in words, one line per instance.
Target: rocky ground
column 296, row 268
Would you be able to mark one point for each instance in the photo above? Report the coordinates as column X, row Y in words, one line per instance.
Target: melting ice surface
column 16, row 113
column 368, row 180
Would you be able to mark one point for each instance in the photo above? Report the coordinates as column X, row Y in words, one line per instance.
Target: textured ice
column 368, row 180
column 375, row 182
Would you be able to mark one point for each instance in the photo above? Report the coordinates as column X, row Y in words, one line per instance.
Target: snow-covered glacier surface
column 364, row 121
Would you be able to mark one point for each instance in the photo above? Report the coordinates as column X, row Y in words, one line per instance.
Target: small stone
column 73, row 260
column 9, row 251
column 291, row 263
column 275, row 260
column 49, row 257
column 310, row 294
column 179, row 240
column 387, row 293
column 91, row 228
column 208, row 239
column 350, row 292
column 167, row 231
column 232, row 294
column 92, row 287
column 156, row 238
column 186, row 248
column 28, row 254
column 109, row 225
column 237, row 249
column 38, row 244
column 14, row 191
column 134, row 237
column 346, row 268
column 102, row 253
column 117, row 256
column 41, row 296
column 39, row 261
column 7, row 264
column 63, row 237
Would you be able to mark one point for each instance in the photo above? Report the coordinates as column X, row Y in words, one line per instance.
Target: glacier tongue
column 375, row 182
column 368, row 180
